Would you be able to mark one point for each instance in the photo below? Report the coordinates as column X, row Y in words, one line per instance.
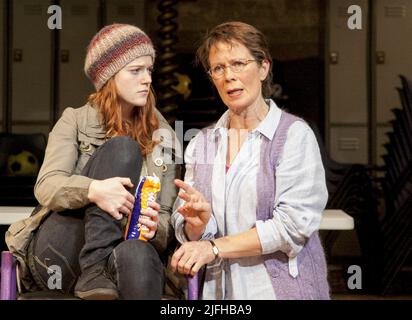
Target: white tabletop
column 9, row 215
column 332, row 219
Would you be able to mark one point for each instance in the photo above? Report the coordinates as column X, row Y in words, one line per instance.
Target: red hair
column 143, row 119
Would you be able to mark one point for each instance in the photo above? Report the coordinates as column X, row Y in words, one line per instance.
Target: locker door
column 346, row 78
column 80, row 21
column 393, row 17
column 126, row 11
column 30, row 67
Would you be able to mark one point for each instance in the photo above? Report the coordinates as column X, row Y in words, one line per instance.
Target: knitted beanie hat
column 112, row 48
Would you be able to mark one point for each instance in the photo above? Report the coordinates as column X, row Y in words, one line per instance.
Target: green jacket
column 74, row 138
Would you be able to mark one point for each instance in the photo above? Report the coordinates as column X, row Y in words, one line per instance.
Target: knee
column 138, row 254
column 124, row 149
column 139, row 271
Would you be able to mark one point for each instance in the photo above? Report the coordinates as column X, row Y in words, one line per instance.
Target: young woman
column 94, row 159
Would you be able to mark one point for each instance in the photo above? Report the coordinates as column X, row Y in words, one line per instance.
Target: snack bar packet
column 146, row 192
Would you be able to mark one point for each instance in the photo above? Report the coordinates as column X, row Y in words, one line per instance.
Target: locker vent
column 348, row 144
column 32, row 10
column 79, row 10
column 395, row 11
column 343, row 12
column 125, row 10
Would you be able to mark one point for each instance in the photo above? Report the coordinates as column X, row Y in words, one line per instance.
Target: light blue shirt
column 300, row 199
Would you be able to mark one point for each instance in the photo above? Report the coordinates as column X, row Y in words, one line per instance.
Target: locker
column 32, row 128
column 347, row 65
column 126, row 11
column 346, row 81
column 80, row 23
column 393, row 17
column 31, row 63
column 349, row 144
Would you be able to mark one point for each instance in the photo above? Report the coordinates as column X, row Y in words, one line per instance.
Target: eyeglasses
column 235, row 66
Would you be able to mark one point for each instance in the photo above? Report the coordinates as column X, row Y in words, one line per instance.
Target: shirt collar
column 267, row 127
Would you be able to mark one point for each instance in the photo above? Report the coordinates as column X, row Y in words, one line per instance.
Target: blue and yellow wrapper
column 146, row 192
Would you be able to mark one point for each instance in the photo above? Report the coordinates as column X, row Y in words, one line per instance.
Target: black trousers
column 75, row 240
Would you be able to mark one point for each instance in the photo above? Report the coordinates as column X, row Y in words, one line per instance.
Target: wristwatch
column 214, row 248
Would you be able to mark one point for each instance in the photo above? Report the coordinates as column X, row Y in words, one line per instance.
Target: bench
column 332, row 219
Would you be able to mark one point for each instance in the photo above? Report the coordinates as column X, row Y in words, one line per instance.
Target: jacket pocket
column 20, row 233
column 94, row 138
column 307, row 278
column 18, row 237
column 276, row 263
column 87, row 146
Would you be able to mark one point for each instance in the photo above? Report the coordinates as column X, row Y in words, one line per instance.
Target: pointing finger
column 186, row 187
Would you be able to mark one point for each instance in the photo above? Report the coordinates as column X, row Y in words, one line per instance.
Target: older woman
column 254, row 190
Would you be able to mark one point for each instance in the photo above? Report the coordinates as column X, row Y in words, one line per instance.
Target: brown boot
column 95, row 284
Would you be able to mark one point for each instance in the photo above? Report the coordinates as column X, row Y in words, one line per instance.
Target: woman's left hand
column 191, row 256
column 149, row 218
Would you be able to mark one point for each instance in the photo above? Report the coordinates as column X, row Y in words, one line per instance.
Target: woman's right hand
column 111, row 196
column 196, row 210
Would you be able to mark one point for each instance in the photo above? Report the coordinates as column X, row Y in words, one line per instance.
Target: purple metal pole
column 193, row 287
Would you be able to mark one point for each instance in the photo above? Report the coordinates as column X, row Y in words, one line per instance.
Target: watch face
column 215, row 251
column 214, row 248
